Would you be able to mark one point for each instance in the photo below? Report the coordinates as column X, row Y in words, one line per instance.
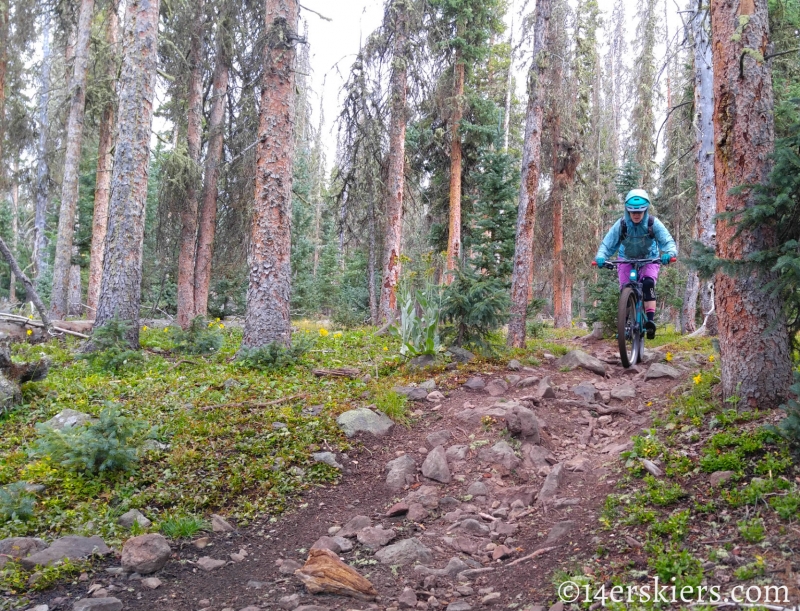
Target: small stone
column 473, row 527
column 202, row 542
column 514, row 365
column 545, row 390
column 491, row 599
column 333, row 530
column 329, row 458
column 578, row 358
column 475, row 383
column 354, row 525
column 98, row 604
column 621, row 393
column 417, row 512
column 239, row 556
column 660, row 370
column 720, row 477
column 100, row 593
column 134, row 516
column 289, row 602
column 413, row 393
column 501, row 551
column 459, row 605
column 375, row 537
column 151, row 583
column 465, row 590
column 478, row 489
column 407, row 551
column 335, row 544
column 400, row 471
column 207, row 563
column 651, row 467
column 408, row 599
column 457, row 452
column 288, row 567
column 558, row 531
column 220, row 524
column 551, row 483
column 513, row 380
column 435, row 466
column 497, row 388
column 587, row 391
column 438, row 438
column 365, row 420
column 145, row 554
column 435, row 397
column 69, row 418
column 460, row 355
column 397, row 509
column 526, row 382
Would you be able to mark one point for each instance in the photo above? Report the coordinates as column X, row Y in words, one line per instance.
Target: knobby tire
column 628, row 347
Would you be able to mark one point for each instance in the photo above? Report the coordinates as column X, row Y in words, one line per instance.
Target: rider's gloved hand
column 665, row 257
column 601, row 261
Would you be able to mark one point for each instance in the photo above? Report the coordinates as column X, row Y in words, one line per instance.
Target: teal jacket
column 637, row 244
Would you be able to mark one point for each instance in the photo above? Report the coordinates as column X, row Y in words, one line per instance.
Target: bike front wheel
column 628, row 328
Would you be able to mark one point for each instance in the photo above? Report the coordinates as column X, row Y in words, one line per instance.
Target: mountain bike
column 630, row 313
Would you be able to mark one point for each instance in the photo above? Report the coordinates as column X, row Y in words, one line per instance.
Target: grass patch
column 394, row 405
column 182, row 527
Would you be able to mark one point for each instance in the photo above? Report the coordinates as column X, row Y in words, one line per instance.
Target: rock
column 435, row 397
column 496, row 388
column 623, row 392
column 422, row 361
column 465, row 590
column 289, row 602
column 311, row 608
column 478, row 489
column 435, row 466
column 72, row 547
column 650, row 356
column 145, row 554
column 98, row 604
column 202, row 542
column 439, row 438
column 288, row 567
column 651, row 467
column 364, row 420
column 458, row 452
column 151, row 583
column 464, row 544
column 522, row 422
column 429, row 385
column 617, row 448
column 459, row 605
column 660, row 370
column 417, row 512
column 587, row 391
column 408, row 599
column 514, row 365
column 473, row 527
column 513, row 380
column 475, row 383
column 500, row 453
column 491, row 599
column 579, row 463
column 529, row 381
column 504, row 529
column 407, row 551
column 428, row 496
column 375, row 537
column 720, row 477
column 460, row 355
column 19, row 547
column 354, row 525
column 545, row 390
column 134, row 516
column 551, row 483
column 220, row 524
column 68, row 418
column 453, row 568
column 40, row 608
column 329, row 458
column 524, row 494
column 400, row 471
column 578, row 358
column 561, row 503
column 397, row 509
column 412, row 392
column 536, row 457
column 334, row 544
column 558, row 531
column 500, row 552
column 324, row 573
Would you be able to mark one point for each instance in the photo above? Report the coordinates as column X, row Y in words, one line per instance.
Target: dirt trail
column 499, row 506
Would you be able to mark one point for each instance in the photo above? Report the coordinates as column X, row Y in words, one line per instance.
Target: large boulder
column 145, row 554
column 72, row 547
column 660, row 370
column 578, row 358
column 460, row 355
column 500, row 453
column 67, row 418
column 15, row 548
column 363, row 420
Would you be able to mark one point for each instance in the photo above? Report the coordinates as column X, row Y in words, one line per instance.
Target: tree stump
column 323, row 572
column 14, row 374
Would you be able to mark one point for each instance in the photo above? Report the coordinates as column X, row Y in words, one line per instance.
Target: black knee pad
column 649, row 286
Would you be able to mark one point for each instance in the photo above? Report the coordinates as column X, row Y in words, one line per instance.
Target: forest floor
column 641, row 479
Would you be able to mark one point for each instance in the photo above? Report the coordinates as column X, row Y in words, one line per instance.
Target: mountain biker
column 642, row 237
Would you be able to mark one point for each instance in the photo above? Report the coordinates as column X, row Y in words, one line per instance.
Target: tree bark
column 567, row 156
column 521, row 278
column 393, row 236
column 3, row 69
column 12, row 285
column 454, row 234
column 208, row 208
column 689, row 308
column 105, row 145
column 372, row 263
column 267, row 314
column 30, row 293
column 39, row 255
column 194, row 132
column 120, row 287
column 754, row 343
column 59, row 306
column 704, row 130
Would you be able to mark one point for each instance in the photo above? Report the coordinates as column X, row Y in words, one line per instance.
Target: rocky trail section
column 498, row 483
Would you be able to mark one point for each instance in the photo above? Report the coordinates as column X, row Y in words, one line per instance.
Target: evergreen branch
column 671, row 110
column 779, row 53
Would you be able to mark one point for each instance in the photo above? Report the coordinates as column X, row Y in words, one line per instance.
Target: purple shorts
column 648, row 271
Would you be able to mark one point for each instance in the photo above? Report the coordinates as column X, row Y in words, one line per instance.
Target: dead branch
column 340, row 372
column 252, row 404
column 29, row 290
column 538, row 552
column 36, row 323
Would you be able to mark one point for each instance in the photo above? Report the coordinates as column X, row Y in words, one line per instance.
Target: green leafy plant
column 661, row 493
column 418, row 328
column 675, row 527
column 182, row 526
column 111, row 350
column 752, row 530
column 750, row 571
column 676, row 566
column 16, row 503
column 788, row 506
column 202, row 337
column 275, row 355
column 394, row 405
column 110, row 444
column 789, row 427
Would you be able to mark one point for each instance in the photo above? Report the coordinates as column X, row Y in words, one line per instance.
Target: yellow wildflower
column 30, row 317
column 216, row 320
column 337, row 334
column 386, row 349
column 211, row 324
column 649, row 403
column 221, row 325
column 144, row 328
column 698, row 378
column 711, row 358
column 668, row 358
column 166, row 329
column 323, row 332
column 29, row 331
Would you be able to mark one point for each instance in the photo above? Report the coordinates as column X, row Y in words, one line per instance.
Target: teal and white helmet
column 637, row 200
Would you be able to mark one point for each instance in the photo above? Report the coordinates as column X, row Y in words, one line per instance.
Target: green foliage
column 16, row 503
column 789, row 427
column 182, row 526
column 14, row 579
column 603, row 301
column 676, row 566
column 752, row 530
column 201, row 337
column 275, row 355
column 110, row 444
column 675, row 528
column 662, row 493
column 394, row 405
column 786, row 506
column 112, row 353
column 418, row 328
column 473, row 307
column 629, row 176
column 751, row 570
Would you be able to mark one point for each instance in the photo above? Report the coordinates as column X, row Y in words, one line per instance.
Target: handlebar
column 614, row 263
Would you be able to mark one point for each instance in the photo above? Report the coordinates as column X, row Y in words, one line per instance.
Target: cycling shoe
column 650, row 328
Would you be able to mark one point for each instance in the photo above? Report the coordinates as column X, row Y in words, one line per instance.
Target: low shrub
column 16, row 503
column 202, row 337
column 275, row 355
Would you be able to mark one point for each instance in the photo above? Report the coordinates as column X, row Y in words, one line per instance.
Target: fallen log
column 30, row 292
column 339, row 372
column 59, row 326
column 323, row 572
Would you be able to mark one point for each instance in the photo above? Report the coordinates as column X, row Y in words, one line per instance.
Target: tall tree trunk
column 393, row 236
column 120, row 288
column 105, row 145
column 567, row 156
column 3, row 69
column 509, row 82
column 454, row 234
column 267, row 314
column 208, row 207
column 689, row 308
column 12, row 285
column 188, row 247
column 59, row 306
column 754, row 343
column 372, row 264
column 521, row 278
column 704, row 129
column 42, row 171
